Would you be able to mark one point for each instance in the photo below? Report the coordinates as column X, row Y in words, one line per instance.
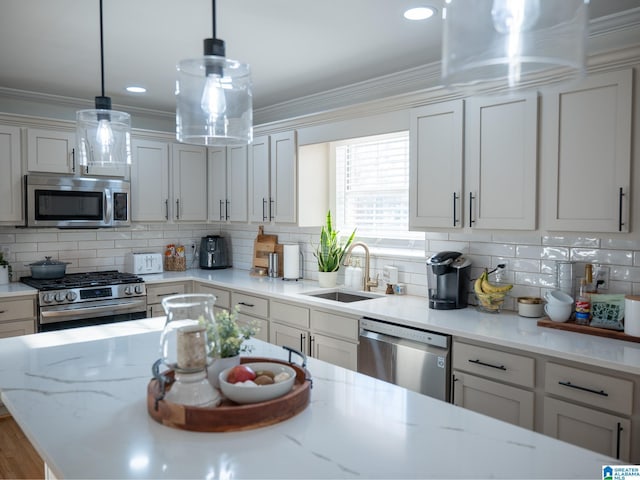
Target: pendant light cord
column 213, row 10
column 101, row 50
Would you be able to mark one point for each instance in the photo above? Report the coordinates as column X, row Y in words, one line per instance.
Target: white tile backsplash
column 530, row 258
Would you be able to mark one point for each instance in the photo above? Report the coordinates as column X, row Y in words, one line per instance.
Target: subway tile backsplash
column 530, row 259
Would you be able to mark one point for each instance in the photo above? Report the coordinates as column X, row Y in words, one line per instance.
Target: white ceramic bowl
column 558, row 297
column 530, row 307
column 244, row 394
column 558, row 312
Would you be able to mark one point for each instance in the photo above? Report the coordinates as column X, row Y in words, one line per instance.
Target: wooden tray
column 572, row 326
column 229, row 416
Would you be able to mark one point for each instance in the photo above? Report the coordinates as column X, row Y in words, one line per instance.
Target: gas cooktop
column 82, row 280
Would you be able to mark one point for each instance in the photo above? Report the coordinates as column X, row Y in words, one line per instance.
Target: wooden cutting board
column 262, row 247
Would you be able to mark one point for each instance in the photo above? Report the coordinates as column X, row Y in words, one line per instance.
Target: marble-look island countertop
column 80, row 397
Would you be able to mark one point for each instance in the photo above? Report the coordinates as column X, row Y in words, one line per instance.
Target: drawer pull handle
column 479, row 362
column 2, row 311
column 166, row 294
column 250, row 305
column 584, row 389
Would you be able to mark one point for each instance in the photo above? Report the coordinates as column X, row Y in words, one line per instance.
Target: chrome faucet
column 367, row 283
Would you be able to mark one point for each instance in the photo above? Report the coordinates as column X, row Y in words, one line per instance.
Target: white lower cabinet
column 491, row 382
column 319, row 334
column 17, row 316
column 593, row 411
column 156, row 292
column 253, row 310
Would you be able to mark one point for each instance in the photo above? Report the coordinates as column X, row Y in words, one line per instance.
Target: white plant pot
column 328, row 279
column 218, row 365
column 4, row 274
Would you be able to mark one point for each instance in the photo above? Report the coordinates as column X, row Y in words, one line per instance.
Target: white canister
column 632, row 315
column 4, row 274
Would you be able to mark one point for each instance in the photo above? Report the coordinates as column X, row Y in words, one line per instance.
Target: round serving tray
column 229, row 416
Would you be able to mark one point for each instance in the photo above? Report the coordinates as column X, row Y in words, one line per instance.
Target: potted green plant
column 5, row 270
column 329, row 252
column 227, row 341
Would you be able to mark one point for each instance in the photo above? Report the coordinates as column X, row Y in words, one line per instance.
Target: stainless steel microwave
column 76, row 202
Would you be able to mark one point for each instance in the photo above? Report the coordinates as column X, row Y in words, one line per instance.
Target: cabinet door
column 291, row 337
column 587, row 144
column 11, row 179
column 50, row 151
column 149, row 181
column 189, row 180
column 587, row 428
column 284, row 177
column 501, row 162
column 337, row 352
column 259, row 198
column 17, row 328
column 510, row 404
column 262, row 326
column 217, row 183
column 237, row 208
column 435, row 163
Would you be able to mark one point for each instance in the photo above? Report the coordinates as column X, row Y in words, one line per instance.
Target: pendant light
column 505, row 43
column 103, row 135
column 214, row 104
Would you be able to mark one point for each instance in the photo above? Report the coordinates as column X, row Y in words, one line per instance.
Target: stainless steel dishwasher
column 410, row 357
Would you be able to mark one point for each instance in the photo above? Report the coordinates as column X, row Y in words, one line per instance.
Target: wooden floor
column 18, row 459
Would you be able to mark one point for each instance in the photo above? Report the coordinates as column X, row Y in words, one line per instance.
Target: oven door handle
column 48, row 316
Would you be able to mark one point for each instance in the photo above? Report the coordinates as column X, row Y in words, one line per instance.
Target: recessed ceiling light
column 419, row 13
column 136, row 89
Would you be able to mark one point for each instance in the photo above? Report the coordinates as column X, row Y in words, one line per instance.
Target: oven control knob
column 128, row 290
column 60, row 296
column 71, row 296
column 47, row 298
column 138, row 289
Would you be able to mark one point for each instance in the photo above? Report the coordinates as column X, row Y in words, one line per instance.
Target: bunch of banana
column 489, row 295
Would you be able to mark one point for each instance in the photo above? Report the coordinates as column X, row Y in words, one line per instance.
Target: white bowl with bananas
column 490, row 296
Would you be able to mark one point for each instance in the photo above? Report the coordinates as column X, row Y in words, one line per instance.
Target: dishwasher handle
column 383, row 338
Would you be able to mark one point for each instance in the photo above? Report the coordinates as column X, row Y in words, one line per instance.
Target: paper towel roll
column 632, row 315
column 291, row 265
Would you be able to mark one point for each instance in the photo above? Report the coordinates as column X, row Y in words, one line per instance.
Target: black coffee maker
column 448, row 277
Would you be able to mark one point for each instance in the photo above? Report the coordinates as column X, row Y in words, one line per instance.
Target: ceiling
column 295, row 47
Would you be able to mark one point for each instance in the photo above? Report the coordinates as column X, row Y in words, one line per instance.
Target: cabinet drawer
column 223, row 297
column 155, row 293
column 259, row 323
column 17, row 328
column 291, row 314
column 15, row 309
column 604, row 391
column 506, row 367
column 256, row 306
column 334, row 325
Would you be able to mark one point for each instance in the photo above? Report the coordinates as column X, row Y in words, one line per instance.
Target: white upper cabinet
column 260, row 202
column 501, row 162
column 50, row 151
column 11, row 211
column 53, row 151
column 227, row 180
column 436, row 160
column 189, row 182
column 150, row 181
column 586, row 142
column 283, row 177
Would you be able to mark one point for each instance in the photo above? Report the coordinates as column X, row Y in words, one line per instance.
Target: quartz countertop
column 505, row 329
column 80, row 397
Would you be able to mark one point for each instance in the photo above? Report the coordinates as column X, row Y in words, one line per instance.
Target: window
column 372, row 186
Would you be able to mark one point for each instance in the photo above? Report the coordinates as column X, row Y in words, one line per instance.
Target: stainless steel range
column 82, row 299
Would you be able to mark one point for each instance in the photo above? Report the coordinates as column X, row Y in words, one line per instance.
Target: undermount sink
column 344, row 296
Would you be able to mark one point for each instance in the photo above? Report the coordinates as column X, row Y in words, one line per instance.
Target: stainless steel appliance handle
column 75, row 313
column 383, row 338
column 108, row 206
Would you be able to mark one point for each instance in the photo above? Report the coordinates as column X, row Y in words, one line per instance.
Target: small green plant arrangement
column 227, row 337
column 331, row 249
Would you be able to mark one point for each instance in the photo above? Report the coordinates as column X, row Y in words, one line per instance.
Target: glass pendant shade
column 504, row 43
column 214, row 102
column 103, row 137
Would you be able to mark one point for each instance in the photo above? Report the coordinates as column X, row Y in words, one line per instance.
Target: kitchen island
column 80, row 397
